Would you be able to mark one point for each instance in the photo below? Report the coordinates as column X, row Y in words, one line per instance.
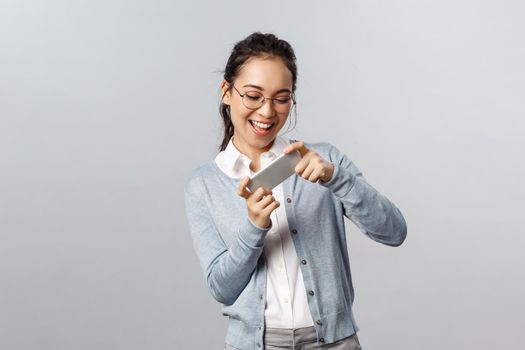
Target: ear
column 225, row 94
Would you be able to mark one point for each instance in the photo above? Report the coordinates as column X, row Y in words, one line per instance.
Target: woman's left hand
column 312, row 166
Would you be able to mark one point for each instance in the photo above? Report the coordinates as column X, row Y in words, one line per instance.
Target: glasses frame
column 292, row 96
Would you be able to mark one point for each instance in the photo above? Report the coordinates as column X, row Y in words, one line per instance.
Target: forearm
column 229, row 273
column 372, row 212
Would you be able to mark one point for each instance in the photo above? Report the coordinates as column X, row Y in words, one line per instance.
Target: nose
column 267, row 109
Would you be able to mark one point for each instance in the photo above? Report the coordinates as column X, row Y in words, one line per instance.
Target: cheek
column 239, row 115
column 283, row 118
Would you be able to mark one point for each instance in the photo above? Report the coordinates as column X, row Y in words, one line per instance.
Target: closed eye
column 283, row 100
column 253, row 97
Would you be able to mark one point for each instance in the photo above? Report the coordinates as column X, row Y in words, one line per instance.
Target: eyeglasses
column 255, row 100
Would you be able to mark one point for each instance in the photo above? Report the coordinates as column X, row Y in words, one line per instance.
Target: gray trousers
column 301, row 339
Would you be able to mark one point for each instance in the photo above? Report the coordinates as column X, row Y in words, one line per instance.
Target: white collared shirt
column 286, row 299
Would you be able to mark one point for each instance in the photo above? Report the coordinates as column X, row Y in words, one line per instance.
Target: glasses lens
column 282, row 103
column 253, row 100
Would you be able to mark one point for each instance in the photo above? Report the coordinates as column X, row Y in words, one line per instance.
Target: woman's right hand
column 260, row 203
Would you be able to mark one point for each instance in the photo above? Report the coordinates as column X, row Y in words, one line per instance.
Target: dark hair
column 254, row 45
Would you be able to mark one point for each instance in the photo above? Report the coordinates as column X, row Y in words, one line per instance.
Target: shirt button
column 311, row 292
column 289, row 200
column 286, row 300
column 319, row 322
column 303, row 262
column 294, row 231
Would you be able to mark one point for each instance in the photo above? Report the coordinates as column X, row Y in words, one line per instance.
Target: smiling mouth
column 260, row 128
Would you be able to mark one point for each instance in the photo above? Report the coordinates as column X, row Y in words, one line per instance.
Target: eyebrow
column 260, row 88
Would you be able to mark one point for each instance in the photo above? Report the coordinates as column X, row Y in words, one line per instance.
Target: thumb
column 242, row 190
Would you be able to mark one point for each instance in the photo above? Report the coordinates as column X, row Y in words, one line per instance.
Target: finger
column 302, row 164
column 297, row 146
column 270, row 207
column 308, row 171
column 314, row 169
column 264, row 202
column 242, row 190
column 258, row 195
column 316, row 174
column 260, row 206
column 266, row 191
column 254, row 196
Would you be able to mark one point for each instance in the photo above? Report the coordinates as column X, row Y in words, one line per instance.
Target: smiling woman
column 257, row 118
column 282, row 273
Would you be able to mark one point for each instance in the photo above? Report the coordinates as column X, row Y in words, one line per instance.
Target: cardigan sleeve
column 373, row 213
column 227, row 269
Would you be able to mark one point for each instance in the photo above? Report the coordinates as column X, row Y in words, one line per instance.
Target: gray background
column 106, row 107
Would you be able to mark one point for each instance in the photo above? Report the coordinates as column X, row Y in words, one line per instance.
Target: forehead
column 269, row 73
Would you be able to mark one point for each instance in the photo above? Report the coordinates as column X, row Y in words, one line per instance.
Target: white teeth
column 261, row 125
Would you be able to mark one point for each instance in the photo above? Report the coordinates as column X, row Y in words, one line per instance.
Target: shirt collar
column 233, row 162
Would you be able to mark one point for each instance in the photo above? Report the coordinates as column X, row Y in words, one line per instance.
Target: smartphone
column 276, row 172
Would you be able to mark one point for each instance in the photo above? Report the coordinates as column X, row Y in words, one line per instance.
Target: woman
column 277, row 259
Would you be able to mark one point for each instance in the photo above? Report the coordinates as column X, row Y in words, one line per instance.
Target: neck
column 253, row 153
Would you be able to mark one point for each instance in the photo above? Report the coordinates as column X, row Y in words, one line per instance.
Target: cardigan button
column 289, row 200
column 294, row 231
column 311, row 292
column 303, row 262
column 319, row 322
column 321, row 340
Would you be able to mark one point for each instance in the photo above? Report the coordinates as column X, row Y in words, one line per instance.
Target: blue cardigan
column 229, row 245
